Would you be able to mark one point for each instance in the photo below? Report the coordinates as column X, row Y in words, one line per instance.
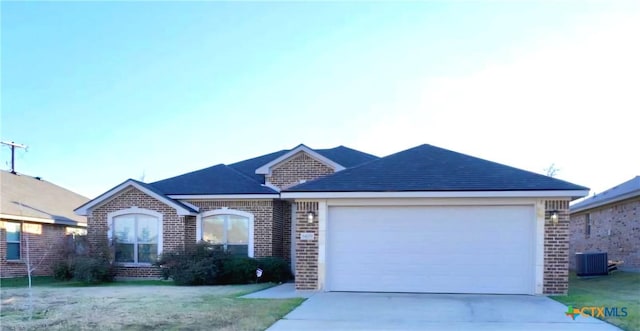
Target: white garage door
column 459, row 249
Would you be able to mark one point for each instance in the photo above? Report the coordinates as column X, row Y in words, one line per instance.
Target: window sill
column 16, row 261
column 133, row 265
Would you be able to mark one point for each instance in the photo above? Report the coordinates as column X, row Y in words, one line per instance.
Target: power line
column 13, row 147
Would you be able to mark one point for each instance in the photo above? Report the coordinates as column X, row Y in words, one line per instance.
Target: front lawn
column 619, row 289
column 52, row 282
column 141, row 308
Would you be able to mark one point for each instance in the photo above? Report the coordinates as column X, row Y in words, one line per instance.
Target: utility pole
column 13, row 153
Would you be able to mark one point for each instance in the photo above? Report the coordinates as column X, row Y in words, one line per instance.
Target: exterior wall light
column 310, row 217
column 553, row 216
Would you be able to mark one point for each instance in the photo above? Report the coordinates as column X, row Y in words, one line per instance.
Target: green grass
column 20, row 282
column 619, row 289
column 142, row 308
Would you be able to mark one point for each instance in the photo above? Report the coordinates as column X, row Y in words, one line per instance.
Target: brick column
column 556, row 249
column 306, row 250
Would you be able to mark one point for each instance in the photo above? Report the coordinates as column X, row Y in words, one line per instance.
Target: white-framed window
column 137, row 235
column 13, row 236
column 231, row 229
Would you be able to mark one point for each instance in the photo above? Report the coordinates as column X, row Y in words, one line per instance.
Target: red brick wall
column 615, row 229
column 43, row 242
column 263, row 213
column 299, row 167
column 173, row 226
column 556, row 249
column 306, row 250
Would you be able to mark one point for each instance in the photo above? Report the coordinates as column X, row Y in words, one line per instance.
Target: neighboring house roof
column 626, row 190
column 181, row 208
column 430, row 168
column 32, row 199
column 219, row 179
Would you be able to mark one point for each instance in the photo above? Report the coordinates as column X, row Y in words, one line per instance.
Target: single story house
column 35, row 215
column 425, row 219
column 609, row 222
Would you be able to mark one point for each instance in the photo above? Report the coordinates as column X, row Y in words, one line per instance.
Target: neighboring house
column 609, row 222
column 35, row 214
column 422, row 220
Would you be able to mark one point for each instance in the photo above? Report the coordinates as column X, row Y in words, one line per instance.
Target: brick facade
column 306, row 250
column 174, row 230
column 299, row 167
column 556, row 249
column 614, row 229
column 43, row 239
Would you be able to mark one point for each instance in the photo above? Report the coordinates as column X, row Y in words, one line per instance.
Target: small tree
column 551, row 171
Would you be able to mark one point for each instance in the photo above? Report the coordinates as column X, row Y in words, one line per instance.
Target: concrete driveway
column 400, row 311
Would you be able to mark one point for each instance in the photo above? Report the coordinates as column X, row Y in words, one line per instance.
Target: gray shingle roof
column 26, row 196
column 219, row 179
column 626, row 190
column 430, row 168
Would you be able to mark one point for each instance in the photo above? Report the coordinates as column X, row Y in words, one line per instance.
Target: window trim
column 135, row 210
column 227, row 211
column 7, row 242
column 587, row 225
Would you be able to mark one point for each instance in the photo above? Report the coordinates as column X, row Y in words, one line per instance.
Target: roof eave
column 572, row 194
column 592, row 205
column 86, row 208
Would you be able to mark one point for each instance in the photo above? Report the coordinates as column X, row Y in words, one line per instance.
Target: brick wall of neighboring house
column 263, row 225
column 173, row 227
column 44, row 240
column 306, row 250
column 299, row 167
column 615, row 229
column 556, row 249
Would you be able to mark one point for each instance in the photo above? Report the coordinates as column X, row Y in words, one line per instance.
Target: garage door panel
column 465, row 249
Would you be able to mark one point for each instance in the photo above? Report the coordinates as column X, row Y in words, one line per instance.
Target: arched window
column 137, row 234
column 231, row 229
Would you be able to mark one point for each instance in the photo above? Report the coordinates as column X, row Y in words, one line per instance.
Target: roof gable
column 627, row 190
column 267, row 168
column 430, row 168
column 181, row 209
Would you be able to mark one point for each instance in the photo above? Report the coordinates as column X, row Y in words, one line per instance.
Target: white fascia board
column 441, row 194
column 224, row 196
column 629, row 195
column 85, row 209
column 266, row 169
column 40, row 220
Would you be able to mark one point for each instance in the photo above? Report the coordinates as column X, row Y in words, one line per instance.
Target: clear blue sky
column 102, row 92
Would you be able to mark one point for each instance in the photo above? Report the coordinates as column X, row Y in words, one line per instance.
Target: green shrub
column 207, row 264
column 198, row 264
column 93, row 270
column 63, row 270
column 238, row 270
column 274, row 269
column 77, row 262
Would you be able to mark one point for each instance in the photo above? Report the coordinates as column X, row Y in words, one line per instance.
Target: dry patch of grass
column 142, row 308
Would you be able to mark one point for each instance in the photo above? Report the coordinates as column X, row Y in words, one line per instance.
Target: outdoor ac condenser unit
column 592, row 264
